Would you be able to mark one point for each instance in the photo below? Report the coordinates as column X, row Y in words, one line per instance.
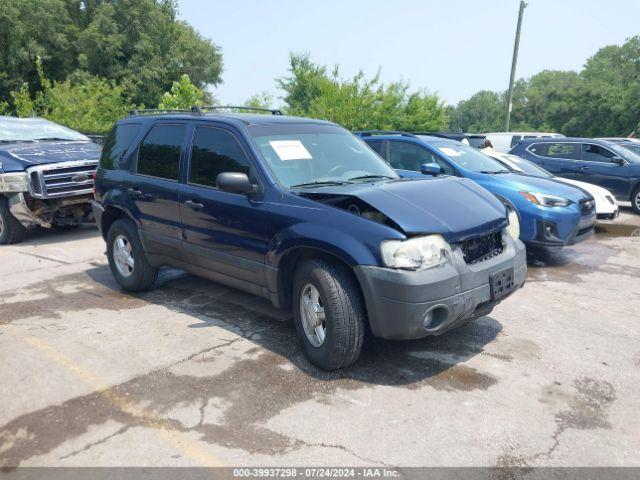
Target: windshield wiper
column 364, row 177
column 320, row 183
column 492, row 172
column 15, row 141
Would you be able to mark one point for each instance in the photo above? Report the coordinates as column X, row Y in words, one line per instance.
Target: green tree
column 357, row 102
column 482, row 112
column 139, row 44
column 260, row 100
column 183, row 94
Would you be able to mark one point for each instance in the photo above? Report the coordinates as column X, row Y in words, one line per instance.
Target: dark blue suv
column 303, row 213
column 607, row 164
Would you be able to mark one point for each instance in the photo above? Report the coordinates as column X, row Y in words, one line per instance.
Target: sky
column 450, row 47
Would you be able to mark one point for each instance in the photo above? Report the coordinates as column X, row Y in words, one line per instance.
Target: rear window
column 159, row 153
column 117, row 143
column 556, row 150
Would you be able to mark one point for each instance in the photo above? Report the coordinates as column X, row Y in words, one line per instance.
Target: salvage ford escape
column 303, row 213
column 46, row 176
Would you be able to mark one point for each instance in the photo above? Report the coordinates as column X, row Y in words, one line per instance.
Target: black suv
column 303, row 213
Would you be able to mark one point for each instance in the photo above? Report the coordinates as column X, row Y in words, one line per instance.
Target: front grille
column 587, row 207
column 62, row 179
column 482, row 248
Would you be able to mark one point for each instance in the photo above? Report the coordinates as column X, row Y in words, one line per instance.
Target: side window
column 408, row 156
column 117, row 143
column 556, row 150
column 596, row 153
column 215, row 151
column 378, row 147
column 159, row 153
column 515, row 139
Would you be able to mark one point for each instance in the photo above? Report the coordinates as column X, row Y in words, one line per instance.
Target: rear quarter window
column 556, row 150
column 117, row 143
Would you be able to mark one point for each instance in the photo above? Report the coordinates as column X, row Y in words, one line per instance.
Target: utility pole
column 514, row 61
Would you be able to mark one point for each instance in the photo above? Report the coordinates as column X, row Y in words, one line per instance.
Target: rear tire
column 11, row 230
column 338, row 310
column 635, row 200
column 127, row 258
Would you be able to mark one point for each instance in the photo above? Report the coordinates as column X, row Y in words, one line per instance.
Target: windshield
column 629, row 151
column 520, row 165
column 35, row 129
column 469, row 158
column 302, row 155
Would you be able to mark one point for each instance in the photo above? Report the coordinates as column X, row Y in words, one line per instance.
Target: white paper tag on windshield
column 450, row 152
column 290, row 150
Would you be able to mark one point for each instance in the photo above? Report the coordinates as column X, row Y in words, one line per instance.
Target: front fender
column 348, row 248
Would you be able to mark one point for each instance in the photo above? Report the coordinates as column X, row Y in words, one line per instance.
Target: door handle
column 136, row 193
column 194, row 205
column 584, row 169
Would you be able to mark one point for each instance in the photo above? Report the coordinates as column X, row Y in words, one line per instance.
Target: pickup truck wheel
column 635, row 199
column 329, row 314
column 11, row 230
column 127, row 259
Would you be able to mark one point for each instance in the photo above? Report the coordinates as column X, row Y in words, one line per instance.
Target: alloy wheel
column 123, row 255
column 312, row 315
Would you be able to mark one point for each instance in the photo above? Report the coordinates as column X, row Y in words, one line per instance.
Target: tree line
column 87, row 63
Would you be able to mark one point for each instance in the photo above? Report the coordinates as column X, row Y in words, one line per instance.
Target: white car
column 606, row 205
column 505, row 141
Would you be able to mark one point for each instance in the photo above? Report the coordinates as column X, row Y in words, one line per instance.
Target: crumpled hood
column 16, row 157
column 456, row 208
column 526, row 183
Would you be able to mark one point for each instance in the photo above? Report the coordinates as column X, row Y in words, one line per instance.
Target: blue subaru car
column 608, row 164
column 552, row 214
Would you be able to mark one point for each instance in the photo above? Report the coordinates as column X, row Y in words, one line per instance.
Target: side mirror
column 618, row 161
column 234, row 182
column 430, row 169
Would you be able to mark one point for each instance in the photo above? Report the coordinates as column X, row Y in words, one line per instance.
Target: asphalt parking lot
column 194, row 373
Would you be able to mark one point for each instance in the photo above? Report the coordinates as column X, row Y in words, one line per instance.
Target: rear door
column 559, row 158
column 154, row 188
column 596, row 167
column 223, row 232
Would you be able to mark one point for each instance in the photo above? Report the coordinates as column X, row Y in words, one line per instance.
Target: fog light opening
column 435, row 317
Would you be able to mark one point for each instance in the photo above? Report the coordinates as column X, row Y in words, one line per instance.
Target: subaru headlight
column 417, row 253
column 513, row 228
column 546, row 199
column 14, row 182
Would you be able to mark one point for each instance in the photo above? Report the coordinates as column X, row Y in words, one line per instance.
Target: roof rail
column 199, row 110
column 152, row 111
column 370, row 133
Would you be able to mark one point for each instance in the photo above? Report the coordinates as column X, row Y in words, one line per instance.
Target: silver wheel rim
column 123, row 255
column 312, row 315
column 637, row 200
column 1, row 224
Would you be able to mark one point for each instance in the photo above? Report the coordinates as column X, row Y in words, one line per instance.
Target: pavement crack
column 350, row 452
column 90, row 445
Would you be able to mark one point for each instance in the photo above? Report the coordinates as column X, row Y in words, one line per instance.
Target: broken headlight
column 417, row 253
column 14, row 182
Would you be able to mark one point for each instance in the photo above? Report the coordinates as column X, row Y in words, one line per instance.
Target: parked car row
column 403, row 235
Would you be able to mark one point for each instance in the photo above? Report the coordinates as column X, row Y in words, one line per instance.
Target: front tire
column 127, row 258
column 635, row 200
column 11, row 230
column 328, row 313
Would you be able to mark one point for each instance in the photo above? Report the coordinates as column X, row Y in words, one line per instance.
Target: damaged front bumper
column 405, row 304
column 32, row 212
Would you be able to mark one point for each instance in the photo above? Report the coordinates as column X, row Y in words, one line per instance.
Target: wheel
column 329, row 314
column 127, row 259
column 635, row 199
column 11, row 230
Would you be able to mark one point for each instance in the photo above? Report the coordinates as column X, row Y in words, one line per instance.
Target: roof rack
column 199, row 110
column 153, row 111
column 370, row 133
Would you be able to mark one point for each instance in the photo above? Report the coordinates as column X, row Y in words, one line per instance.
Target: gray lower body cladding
column 405, row 304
